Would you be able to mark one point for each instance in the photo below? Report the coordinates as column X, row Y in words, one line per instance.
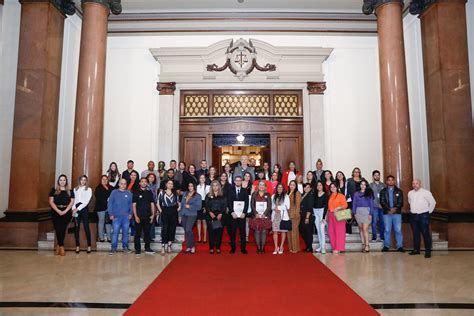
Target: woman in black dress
column 216, row 206
column 61, row 200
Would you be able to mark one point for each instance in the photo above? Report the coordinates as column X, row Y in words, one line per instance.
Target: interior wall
column 9, row 38
column 67, row 95
column 416, row 98
column 470, row 42
column 352, row 112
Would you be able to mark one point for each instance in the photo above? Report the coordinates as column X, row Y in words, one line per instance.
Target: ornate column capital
column 115, row 6
column 418, row 7
column 66, row 7
column 369, row 6
column 166, row 88
column 316, row 87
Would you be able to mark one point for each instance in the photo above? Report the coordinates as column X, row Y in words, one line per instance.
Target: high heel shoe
column 89, row 250
column 276, row 251
column 62, row 253
column 280, row 251
column 57, row 251
column 168, row 249
column 363, row 248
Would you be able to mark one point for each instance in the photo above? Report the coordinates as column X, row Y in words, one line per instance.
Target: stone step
column 180, row 236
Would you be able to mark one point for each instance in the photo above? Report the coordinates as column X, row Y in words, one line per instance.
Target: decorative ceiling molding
column 292, row 64
column 232, row 22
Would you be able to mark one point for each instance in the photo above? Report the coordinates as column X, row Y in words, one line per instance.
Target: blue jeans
column 377, row 218
column 396, row 221
column 118, row 223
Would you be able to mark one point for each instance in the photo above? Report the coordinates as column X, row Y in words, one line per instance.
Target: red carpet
column 288, row 284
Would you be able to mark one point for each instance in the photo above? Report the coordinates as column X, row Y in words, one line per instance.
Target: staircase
column 353, row 242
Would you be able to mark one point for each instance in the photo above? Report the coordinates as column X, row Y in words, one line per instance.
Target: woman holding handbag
column 294, row 211
column 280, row 217
column 336, row 229
column 216, row 206
column 83, row 195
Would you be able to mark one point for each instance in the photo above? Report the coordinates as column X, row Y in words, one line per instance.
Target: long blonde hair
column 211, row 191
column 79, row 182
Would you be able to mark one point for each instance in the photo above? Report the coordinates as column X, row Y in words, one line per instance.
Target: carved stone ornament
column 370, row 5
column 419, row 6
column 115, row 6
column 316, row 87
column 166, row 88
column 241, row 60
column 66, row 6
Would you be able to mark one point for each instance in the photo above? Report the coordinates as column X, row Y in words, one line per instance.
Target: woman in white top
column 280, row 206
column 203, row 189
column 80, row 211
column 299, row 183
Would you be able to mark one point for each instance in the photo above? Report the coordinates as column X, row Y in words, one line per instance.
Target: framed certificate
column 261, row 207
column 239, row 208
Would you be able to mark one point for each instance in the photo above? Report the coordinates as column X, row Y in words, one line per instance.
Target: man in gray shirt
column 377, row 216
column 243, row 168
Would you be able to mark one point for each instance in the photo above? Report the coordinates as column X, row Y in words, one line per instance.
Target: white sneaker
column 318, row 250
column 323, row 251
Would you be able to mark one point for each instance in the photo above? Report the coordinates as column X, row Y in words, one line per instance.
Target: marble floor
column 382, row 279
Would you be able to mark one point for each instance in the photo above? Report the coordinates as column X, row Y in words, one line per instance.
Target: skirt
column 200, row 213
column 362, row 215
column 276, row 223
column 260, row 223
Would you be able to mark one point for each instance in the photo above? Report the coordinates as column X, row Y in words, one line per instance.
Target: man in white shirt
column 422, row 204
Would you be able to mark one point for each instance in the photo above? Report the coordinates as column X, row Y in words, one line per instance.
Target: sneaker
column 112, row 252
column 126, row 250
column 150, row 252
column 428, row 254
column 137, row 254
column 373, row 240
column 323, row 251
column 385, row 249
column 401, row 249
column 414, row 253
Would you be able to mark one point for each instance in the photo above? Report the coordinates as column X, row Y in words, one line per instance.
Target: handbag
column 216, row 224
column 343, row 215
column 72, row 229
column 286, row 225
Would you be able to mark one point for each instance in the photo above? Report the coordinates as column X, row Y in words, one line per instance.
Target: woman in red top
column 261, row 176
column 289, row 175
column 327, row 180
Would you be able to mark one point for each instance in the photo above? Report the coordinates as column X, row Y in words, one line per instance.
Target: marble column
column 315, row 136
column 33, row 160
column 396, row 139
column 168, row 128
column 89, row 117
column 448, row 102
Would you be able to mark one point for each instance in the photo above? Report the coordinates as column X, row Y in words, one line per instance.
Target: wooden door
column 193, row 150
column 217, row 158
column 266, row 156
column 288, row 149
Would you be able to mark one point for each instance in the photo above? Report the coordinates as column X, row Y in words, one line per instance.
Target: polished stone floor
column 380, row 278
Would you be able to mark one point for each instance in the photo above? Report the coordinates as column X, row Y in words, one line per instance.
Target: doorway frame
column 281, row 129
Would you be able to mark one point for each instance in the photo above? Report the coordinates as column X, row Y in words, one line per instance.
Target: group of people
column 240, row 199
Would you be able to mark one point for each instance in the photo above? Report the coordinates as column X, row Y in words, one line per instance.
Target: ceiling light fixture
column 240, row 138
column 240, row 1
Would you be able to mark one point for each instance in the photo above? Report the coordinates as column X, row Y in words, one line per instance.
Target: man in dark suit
column 237, row 194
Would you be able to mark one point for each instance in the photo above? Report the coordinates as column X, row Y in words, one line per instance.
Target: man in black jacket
column 238, row 200
column 391, row 200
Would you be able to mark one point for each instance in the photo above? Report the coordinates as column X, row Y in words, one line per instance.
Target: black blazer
column 306, row 206
column 397, row 200
column 243, row 197
column 216, row 205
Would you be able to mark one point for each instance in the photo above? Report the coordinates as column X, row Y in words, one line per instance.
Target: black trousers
column 306, row 231
column 142, row 228
column 227, row 224
column 60, row 224
column 169, row 220
column 83, row 216
column 349, row 225
column 215, row 235
column 420, row 224
column 238, row 223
